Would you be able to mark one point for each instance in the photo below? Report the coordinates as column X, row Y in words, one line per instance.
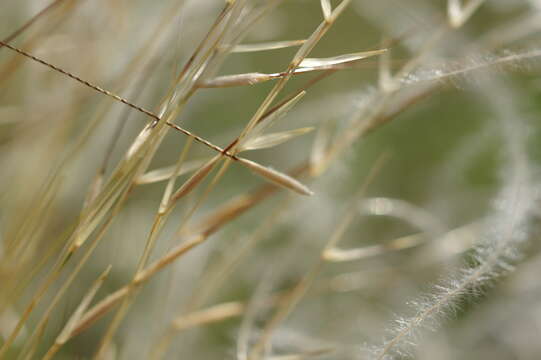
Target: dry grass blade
column 48, row 251
column 233, row 209
column 272, row 45
column 115, row 97
column 304, row 355
column 215, row 313
column 165, row 173
column 337, row 254
column 107, row 304
column 386, row 82
column 236, row 80
column 458, row 13
column 66, row 332
column 326, row 8
column 278, row 113
column 304, row 50
column 270, row 140
column 319, row 149
column 31, row 21
column 168, row 258
column 276, row 177
column 337, row 60
column 78, row 79
column 254, row 78
column 195, row 179
column 430, row 226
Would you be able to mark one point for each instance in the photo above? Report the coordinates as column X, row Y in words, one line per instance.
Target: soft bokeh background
column 448, row 155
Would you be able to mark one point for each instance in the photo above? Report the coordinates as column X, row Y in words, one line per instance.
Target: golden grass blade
column 459, row 13
column 209, row 315
column 276, row 177
column 98, row 310
column 337, row 254
column 386, row 81
column 336, row 60
column 273, row 117
column 270, row 140
column 233, row 209
column 319, row 149
column 304, row 50
column 304, row 355
column 195, row 179
column 247, row 79
column 65, row 334
column 326, row 8
column 236, row 80
column 171, row 256
column 31, row 21
column 165, row 173
column 211, row 224
column 166, row 198
column 273, row 45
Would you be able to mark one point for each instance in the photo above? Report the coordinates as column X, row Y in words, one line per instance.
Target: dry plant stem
column 165, row 204
column 64, row 335
column 12, row 65
column 469, row 280
column 201, row 45
column 184, row 223
column 216, row 276
column 299, row 56
column 211, row 282
column 28, row 310
column 131, row 292
column 78, row 79
column 283, row 78
column 159, row 221
column 304, row 355
column 209, row 315
column 31, row 21
column 209, row 225
column 58, row 296
column 53, row 275
column 304, row 284
column 225, row 214
column 12, row 36
column 96, row 88
column 284, row 310
column 56, row 269
column 125, row 305
column 117, row 98
column 386, row 94
column 23, row 236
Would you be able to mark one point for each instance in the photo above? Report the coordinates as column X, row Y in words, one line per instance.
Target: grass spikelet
column 340, row 59
column 167, row 172
column 276, row 177
column 236, row 80
column 270, row 140
column 273, row 45
column 195, row 179
column 215, row 313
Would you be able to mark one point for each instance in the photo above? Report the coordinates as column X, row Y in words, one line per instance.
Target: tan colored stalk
column 63, row 337
column 307, row 280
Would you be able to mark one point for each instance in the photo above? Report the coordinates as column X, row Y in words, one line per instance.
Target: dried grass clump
column 392, row 169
